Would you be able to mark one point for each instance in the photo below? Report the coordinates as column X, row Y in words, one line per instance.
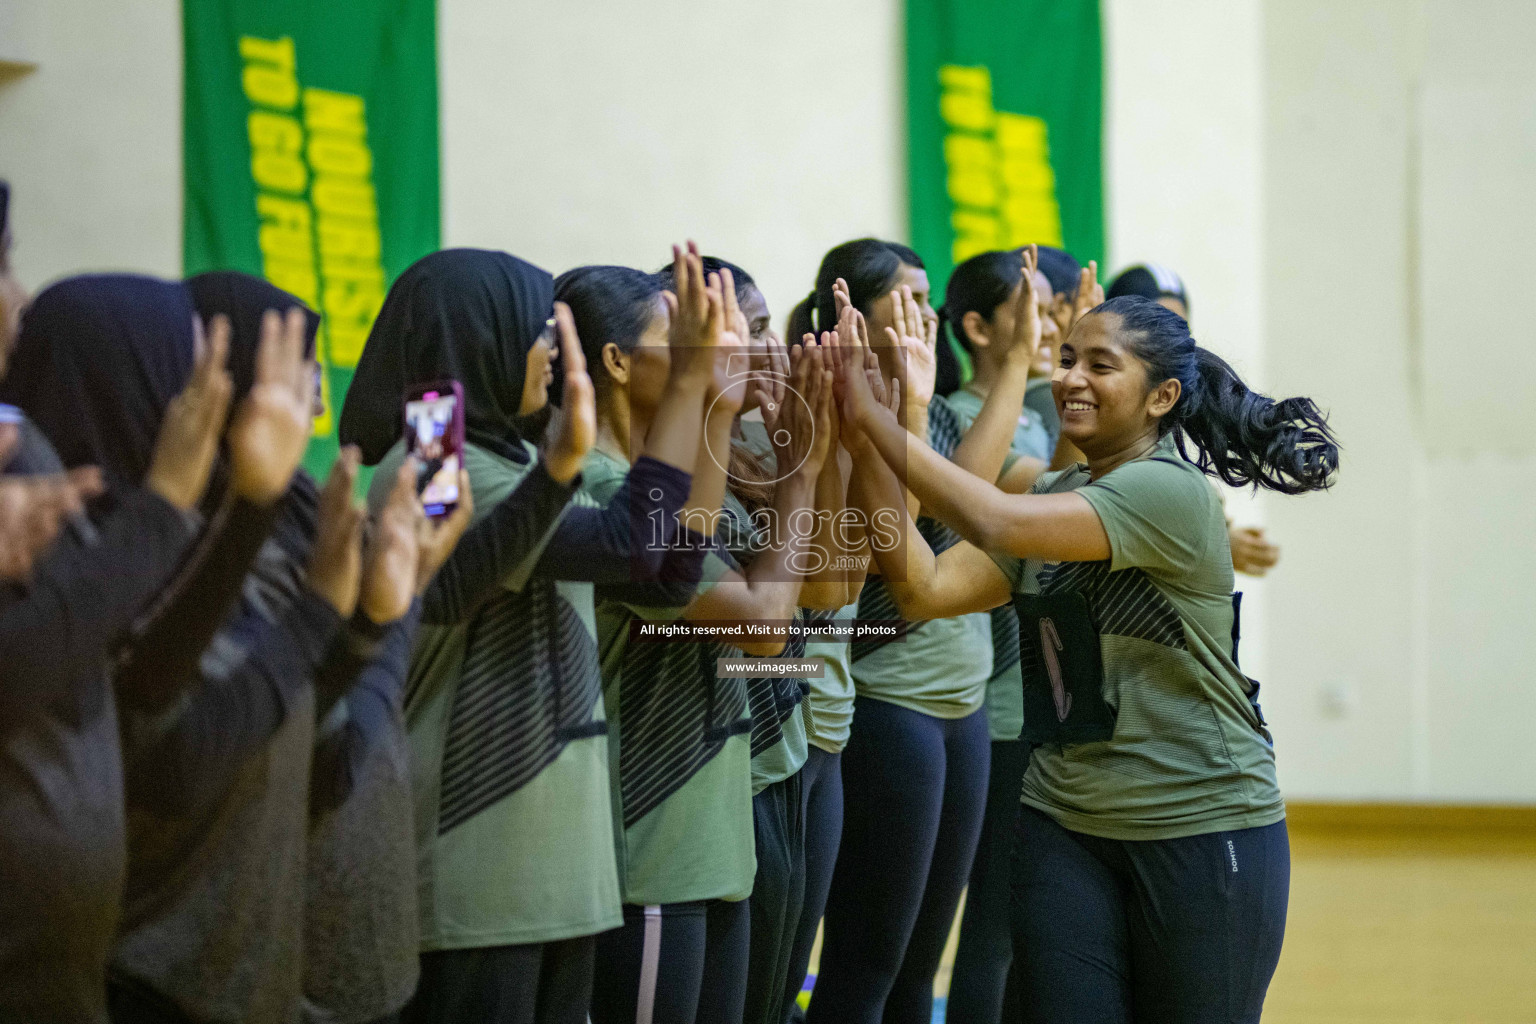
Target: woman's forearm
column 984, row 448
column 965, row 503
column 827, row 588
column 674, row 434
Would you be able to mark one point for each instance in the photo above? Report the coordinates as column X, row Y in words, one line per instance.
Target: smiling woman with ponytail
column 1152, row 832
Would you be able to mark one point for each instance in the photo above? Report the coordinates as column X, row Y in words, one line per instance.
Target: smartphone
column 434, row 433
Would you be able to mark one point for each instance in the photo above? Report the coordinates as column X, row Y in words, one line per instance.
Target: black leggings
column 985, row 953
column 1170, row 931
column 916, row 789
column 674, row 963
column 538, row 983
column 821, row 787
column 778, row 893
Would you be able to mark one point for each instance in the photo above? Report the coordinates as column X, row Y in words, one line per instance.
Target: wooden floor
column 1403, row 925
column 1408, row 928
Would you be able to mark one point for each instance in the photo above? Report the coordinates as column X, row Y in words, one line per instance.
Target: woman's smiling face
column 1102, row 393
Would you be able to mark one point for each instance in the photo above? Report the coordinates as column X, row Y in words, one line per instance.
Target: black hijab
column 471, row 315
column 244, row 298
column 98, row 360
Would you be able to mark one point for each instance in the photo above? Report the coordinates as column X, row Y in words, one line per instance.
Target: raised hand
column 271, row 426
column 771, row 384
column 436, row 538
column 393, row 550
column 336, row 563
column 189, row 433
column 697, row 317
column 803, row 434
column 573, row 430
column 728, row 382
column 1089, row 292
column 1026, row 314
column 917, row 365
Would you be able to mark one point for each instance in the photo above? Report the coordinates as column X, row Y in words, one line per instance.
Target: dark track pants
column 821, row 786
column 1172, row 931
column 538, row 983
column 915, row 789
column 778, row 893
column 674, row 963
column 985, row 953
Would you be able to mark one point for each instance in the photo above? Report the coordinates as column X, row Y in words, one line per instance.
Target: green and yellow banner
column 311, row 158
column 1005, row 116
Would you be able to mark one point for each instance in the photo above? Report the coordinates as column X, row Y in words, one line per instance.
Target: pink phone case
column 441, row 456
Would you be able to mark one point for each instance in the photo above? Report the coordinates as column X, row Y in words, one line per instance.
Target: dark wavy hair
column 979, row 285
column 869, row 265
column 1239, row 435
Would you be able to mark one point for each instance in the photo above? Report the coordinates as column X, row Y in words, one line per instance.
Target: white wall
column 1409, row 592
column 1261, row 147
column 582, row 133
column 91, row 140
column 1183, row 187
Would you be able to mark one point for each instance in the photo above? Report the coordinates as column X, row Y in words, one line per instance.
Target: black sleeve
column 381, row 656
column 83, row 597
column 627, row 540
column 249, row 679
column 494, row 546
column 678, row 579
column 160, row 660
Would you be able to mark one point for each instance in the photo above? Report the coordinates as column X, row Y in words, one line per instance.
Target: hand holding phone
column 434, row 435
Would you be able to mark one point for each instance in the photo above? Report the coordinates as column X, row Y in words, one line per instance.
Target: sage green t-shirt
column 828, row 710
column 1186, row 757
column 535, row 864
column 939, row 667
column 1005, row 693
column 679, row 757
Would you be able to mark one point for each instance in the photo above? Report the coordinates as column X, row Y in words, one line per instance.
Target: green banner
column 1005, row 126
column 311, row 158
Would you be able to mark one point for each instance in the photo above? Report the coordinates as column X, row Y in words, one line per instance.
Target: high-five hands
column 860, row 389
column 802, row 435
column 914, row 338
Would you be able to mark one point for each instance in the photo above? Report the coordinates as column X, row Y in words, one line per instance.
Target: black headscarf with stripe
column 470, row 315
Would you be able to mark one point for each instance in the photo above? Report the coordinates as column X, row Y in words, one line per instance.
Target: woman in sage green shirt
column 515, row 865
column 1151, row 870
column 679, row 748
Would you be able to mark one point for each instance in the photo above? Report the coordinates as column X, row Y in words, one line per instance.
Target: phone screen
column 430, row 437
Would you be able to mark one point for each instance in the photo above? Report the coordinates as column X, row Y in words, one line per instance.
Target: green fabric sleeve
column 1156, row 514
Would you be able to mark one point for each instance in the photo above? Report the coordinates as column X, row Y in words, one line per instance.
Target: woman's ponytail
column 869, row 266
column 1245, row 438
column 1240, row 436
column 802, row 320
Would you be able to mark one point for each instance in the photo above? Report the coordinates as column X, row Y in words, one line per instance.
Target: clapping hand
column 189, row 434
column 573, row 430
column 336, row 563
column 1026, row 314
column 272, row 424
column 1089, row 292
